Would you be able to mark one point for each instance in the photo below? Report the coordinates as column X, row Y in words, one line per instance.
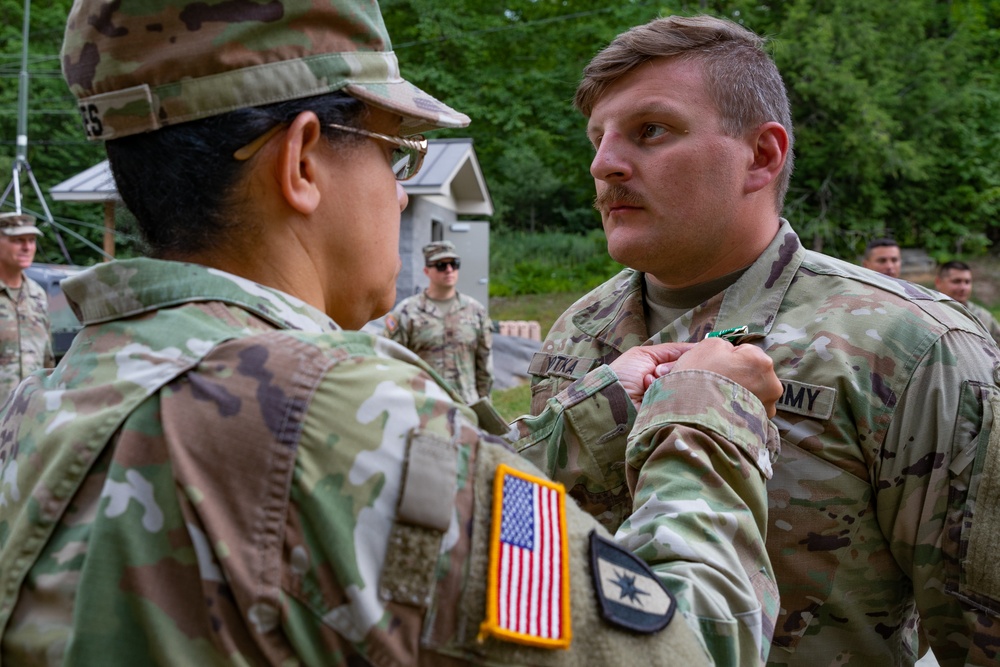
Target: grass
column 542, row 308
column 514, row 402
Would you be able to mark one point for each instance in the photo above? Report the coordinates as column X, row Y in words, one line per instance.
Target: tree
column 896, row 107
column 57, row 148
column 513, row 68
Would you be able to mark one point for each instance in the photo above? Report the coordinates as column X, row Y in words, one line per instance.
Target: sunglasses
column 407, row 156
column 443, row 266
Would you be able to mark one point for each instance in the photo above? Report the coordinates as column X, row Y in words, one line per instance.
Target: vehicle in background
column 62, row 320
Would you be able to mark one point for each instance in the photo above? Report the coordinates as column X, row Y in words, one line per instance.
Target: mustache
column 617, row 193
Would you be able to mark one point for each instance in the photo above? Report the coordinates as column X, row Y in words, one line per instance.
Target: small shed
column 450, row 184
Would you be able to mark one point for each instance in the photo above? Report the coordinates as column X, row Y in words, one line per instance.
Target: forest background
column 896, row 108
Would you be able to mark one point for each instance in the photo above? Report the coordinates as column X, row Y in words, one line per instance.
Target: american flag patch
column 528, row 595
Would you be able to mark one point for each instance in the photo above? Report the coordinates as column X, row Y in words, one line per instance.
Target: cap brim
column 421, row 112
column 21, row 231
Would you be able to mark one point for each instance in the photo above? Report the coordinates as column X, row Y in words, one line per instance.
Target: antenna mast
column 21, row 155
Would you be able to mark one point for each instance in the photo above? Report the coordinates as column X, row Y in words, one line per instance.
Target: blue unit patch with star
column 631, row 596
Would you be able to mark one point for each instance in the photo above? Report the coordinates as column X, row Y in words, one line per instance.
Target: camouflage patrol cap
column 18, row 224
column 435, row 252
column 140, row 66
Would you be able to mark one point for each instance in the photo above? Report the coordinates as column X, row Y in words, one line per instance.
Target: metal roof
column 93, row 184
column 450, row 175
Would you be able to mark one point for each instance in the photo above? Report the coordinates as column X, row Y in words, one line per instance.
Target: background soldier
column 448, row 330
column 883, row 256
column 954, row 278
column 222, row 471
column 25, row 343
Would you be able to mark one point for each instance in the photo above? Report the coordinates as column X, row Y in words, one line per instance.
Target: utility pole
column 21, row 155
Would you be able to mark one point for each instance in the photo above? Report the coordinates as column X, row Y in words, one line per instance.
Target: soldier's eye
column 651, row 131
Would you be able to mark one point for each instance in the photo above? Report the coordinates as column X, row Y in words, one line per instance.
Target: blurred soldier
column 222, row 471
column 954, row 278
column 25, row 344
column 448, row 330
column 882, row 503
column 883, row 256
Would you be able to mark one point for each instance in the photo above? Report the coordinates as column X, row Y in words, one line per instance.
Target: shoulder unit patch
column 528, row 592
column 631, row 596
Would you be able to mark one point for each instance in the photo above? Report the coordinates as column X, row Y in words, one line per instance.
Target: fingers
column 636, row 369
column 663, row 353
column 747, row 365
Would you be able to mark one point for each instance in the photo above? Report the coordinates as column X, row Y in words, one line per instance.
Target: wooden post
column 109, row 227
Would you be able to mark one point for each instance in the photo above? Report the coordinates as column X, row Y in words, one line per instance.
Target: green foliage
column 522, row 263
column 513, row 68
column 896, row 107
column 57, row 148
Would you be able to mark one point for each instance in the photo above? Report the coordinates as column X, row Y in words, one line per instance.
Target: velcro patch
column 811, row 400
column 528, row 593
column 391, row 323
column 631, row 596
column 559, row 365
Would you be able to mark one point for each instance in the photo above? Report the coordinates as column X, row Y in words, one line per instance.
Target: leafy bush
column 544, row 262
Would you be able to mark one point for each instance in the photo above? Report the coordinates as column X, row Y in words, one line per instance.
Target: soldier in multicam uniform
column 954, row 279
column 447, row 329
column 884, row 500
column 25, row 343
column 221, row 472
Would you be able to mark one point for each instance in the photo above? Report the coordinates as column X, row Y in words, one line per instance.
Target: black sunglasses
column 443, row 265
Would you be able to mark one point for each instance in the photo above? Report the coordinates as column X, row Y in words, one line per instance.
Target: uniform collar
column 616, row 316
column 429, row 305
column 755, row 298
column 130, row 287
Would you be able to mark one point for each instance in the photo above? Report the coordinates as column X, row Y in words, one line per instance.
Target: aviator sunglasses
column 444, row 264
column 407, row 156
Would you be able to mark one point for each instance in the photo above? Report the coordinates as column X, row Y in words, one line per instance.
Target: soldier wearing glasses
column 223, row 470
column 448, row 330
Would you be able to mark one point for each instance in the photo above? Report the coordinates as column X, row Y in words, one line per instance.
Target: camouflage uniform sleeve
column 397, row 327
column 579, row 439
column 484, row 355
column 696, row 460
column 387, row 544
column 938, row 498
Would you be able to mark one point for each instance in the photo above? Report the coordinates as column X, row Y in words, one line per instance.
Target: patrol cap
column 140, row 66
column 18, row 224
column 435, row 252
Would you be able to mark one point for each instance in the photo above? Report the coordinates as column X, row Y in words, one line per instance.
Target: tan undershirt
column 663, row 305
column 443, row 304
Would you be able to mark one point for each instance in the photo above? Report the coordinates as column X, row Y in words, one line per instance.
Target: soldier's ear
column 770, row 149
column 298, row 163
